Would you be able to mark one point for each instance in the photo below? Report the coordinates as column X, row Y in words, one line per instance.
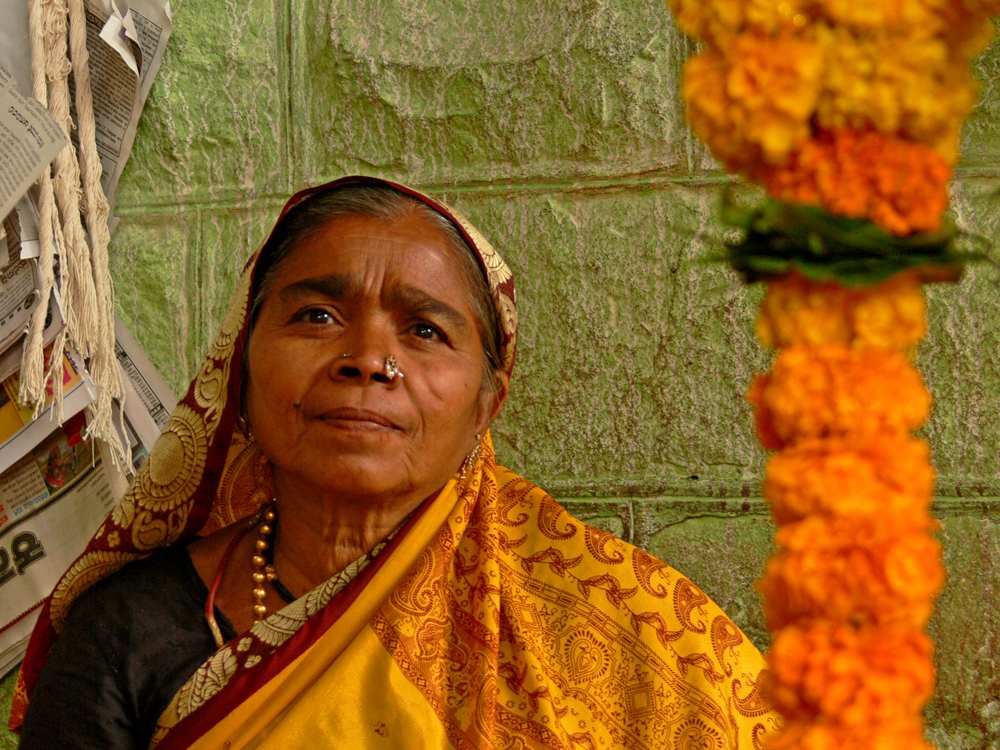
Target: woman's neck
column 319, row 536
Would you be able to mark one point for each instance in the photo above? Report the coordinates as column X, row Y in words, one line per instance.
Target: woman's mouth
column 357, row 420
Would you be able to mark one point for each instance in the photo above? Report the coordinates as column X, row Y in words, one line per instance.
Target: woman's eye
column 318, row 317
column 425, row 331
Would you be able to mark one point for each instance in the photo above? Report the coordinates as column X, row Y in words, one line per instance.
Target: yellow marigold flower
column 859, row 676
column 891, row 475
column 883, row 570
column 918, row 88
column 753, row 100
column 916, row 17
column 797, row 311
column 836, row 391
column 718, row 21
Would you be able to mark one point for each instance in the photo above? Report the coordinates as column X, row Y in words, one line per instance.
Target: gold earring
column 244, row 426
column 470, row 460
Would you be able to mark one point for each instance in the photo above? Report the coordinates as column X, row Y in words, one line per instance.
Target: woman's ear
column 491, row 400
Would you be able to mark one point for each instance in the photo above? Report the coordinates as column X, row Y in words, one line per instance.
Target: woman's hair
column 387, row 204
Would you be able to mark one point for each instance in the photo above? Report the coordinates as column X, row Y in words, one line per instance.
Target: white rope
column 104, row 367
column 33, row 375
column 82, row 316
column 86, row 285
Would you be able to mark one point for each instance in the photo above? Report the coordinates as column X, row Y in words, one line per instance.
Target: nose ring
column 392, row 367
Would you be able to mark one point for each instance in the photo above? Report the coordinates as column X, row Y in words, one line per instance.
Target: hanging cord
column 104, row 367
column 81, row 310
column 33, row 374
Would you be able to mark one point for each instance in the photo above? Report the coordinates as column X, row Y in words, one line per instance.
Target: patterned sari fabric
column 491, row 618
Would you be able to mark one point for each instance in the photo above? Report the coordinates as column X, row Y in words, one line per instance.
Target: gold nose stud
column 392, row 367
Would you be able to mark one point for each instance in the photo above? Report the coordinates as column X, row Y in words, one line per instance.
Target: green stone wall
column 556, row 126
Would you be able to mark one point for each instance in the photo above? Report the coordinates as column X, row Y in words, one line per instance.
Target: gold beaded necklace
column 262, row 571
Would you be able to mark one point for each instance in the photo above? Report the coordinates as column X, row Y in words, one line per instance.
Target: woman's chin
column 371, row 475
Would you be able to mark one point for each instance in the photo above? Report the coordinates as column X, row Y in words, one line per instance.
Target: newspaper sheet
column 29, row 140
column 125, row 40
column 122, row 74
column 148, row 400
column 55, row 493
column 26, row 215
column 19, row 283
column 148, row 405
column 51, row 502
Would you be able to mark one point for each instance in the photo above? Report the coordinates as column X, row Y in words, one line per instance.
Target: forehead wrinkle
column 334, row 286
column 414, row 300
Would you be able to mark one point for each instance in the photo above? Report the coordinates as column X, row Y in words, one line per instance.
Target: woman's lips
column 362, row 420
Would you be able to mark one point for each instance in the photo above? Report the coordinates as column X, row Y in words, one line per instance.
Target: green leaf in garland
column 781, row 238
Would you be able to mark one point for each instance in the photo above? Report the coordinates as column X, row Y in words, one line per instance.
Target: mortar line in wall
column 644, row 181
column 495, row 188
column 970, row 490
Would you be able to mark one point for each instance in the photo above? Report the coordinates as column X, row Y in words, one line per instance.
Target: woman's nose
column 366, row 358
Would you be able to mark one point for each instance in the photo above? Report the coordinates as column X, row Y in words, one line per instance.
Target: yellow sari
column 496, row 620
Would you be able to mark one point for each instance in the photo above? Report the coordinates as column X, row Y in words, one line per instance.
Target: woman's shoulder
column 606, row 602
column 567, row 553
column 155, row 580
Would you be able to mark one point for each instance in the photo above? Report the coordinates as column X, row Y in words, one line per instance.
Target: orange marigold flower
column 855, row 677
column 899, row 185
column 891, row 475
column 836, row 391
column 880, row 570
column 966, row 25
column 890, row 315
column 904, row 734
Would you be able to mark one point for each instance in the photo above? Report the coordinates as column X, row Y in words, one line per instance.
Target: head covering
column 202, row 473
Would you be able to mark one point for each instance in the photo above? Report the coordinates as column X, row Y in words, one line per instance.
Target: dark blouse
column 128, row 645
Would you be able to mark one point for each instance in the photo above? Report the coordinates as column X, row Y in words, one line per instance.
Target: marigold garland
column 848, row 114
column 853, row 580
column 865, row 675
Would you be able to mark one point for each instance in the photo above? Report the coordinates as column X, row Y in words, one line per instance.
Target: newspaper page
column 122, row 74
column 29, row 140
column 125, row 40
column 51, row 502
column 148, row 405
column 19, row 283
column 15, row 45
column 148, row 400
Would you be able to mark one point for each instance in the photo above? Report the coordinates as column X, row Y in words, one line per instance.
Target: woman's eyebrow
column 416, row 301
column 334, row 286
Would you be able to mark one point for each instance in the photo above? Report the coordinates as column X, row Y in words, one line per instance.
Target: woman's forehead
column 360, row 251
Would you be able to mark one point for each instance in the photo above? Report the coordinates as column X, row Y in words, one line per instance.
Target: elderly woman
column 323, row 551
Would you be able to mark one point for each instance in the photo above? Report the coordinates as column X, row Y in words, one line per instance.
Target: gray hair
column 389, row 205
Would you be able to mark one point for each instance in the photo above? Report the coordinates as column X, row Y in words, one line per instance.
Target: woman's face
column 318, row 400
